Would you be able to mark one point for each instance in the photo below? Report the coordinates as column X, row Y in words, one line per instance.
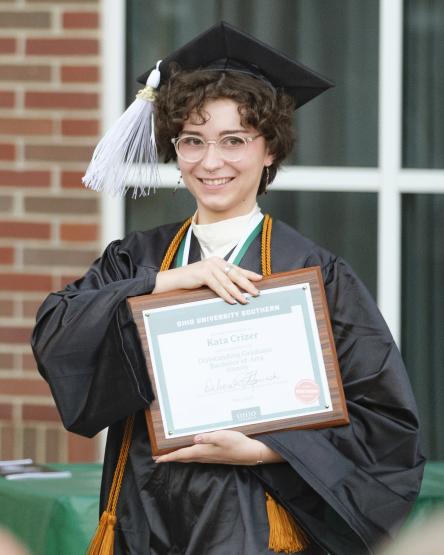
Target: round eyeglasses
column 192, row 148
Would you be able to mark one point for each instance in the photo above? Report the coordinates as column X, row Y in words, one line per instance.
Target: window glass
column 337, row 38
column 423, row 84
column 344, row 223
column 423, row 311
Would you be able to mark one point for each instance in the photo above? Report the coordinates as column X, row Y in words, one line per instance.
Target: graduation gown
column 349, row 487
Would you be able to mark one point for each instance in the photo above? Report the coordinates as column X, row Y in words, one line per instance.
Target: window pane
column 337, row 38
column 423, row 311
column 158, row 208
column 344, row 223
column 423, row 84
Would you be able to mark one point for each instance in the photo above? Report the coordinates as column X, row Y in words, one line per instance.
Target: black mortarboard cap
column 224, row 47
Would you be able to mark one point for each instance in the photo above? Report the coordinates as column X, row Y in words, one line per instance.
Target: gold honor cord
column 102, row 542
column 174, row 245
column 285, row 535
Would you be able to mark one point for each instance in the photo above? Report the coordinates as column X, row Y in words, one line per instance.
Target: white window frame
column 388, row 180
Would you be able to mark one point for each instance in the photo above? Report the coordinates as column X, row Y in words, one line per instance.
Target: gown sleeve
column 367, row 472
column 86, row 347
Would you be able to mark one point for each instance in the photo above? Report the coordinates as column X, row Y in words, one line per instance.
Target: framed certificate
column 265, row 366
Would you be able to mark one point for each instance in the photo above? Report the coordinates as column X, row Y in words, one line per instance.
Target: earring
column 267, row 179
column 178, row 184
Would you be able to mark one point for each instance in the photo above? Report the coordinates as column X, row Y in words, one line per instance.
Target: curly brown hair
column 260, row 106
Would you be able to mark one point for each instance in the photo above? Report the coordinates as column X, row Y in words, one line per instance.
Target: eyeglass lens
column 193, row 149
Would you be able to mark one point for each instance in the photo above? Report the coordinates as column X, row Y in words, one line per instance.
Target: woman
column 229, row 126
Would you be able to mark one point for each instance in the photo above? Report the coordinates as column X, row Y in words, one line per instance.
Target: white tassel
column 127, row 154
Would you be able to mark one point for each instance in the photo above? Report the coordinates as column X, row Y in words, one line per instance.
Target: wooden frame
column 337, row 414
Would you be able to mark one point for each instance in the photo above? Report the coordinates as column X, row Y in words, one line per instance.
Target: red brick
column 81, row 449
column 25, row 282
column 63, row 280
column 25, row 20
column 15, row 334
column 78, row 232
column 72, row 180
column 28, row 362
column 6, row 307
column 7, row 99
column 80, row 74
column 58, row 153
column 62, row 47
column 12, row 178
column 7, row 46
column 5, row 411
column 6, row 361
column 62, row 205
column 6, row 203
column 17, row 386
column 52, row 100
column 62, row 1
column 25, row 230
column 7, row 439
column 58, row 257
column 80, row 127
column 7, row 151
column 25, row 126
column 24, row 72
column 80, row 20
column 7, row 255
column 55, row 445
column 29, row 442
column 45, row 413
column 30, row 307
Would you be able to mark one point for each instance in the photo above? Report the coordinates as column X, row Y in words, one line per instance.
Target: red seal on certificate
column 307, row 391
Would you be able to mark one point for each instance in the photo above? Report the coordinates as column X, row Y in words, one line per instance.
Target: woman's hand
column 226, row 280
column 223, row 447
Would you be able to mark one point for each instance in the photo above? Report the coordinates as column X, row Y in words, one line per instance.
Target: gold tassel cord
column 102, row 542
column 285, row 535
column 174, row 245
column 120, row 469
column 266, row 246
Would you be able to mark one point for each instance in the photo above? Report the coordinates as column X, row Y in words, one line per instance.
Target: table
column 431, row 496
column 53, row 516
column 59, row 516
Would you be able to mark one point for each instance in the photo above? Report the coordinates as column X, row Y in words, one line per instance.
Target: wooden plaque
column 167, row 320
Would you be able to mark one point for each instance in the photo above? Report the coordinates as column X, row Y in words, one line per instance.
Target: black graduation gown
column 349, row 487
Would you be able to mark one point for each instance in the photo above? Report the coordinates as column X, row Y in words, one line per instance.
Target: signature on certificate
column 245, row 380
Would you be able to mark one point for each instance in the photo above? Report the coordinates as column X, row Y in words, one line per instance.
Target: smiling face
column 223, row 189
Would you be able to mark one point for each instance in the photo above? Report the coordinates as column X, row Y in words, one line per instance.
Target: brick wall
column 49, row 225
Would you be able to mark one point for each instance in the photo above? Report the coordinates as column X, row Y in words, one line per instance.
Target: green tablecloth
column 55, row 516
column 59, row 516
column 431, row 496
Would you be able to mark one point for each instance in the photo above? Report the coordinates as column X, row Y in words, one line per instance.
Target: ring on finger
column 228, row 268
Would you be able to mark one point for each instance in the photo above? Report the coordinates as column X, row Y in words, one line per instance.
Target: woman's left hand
column 223, row 447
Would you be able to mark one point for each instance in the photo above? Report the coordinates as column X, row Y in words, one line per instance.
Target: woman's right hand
column 226, row 280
